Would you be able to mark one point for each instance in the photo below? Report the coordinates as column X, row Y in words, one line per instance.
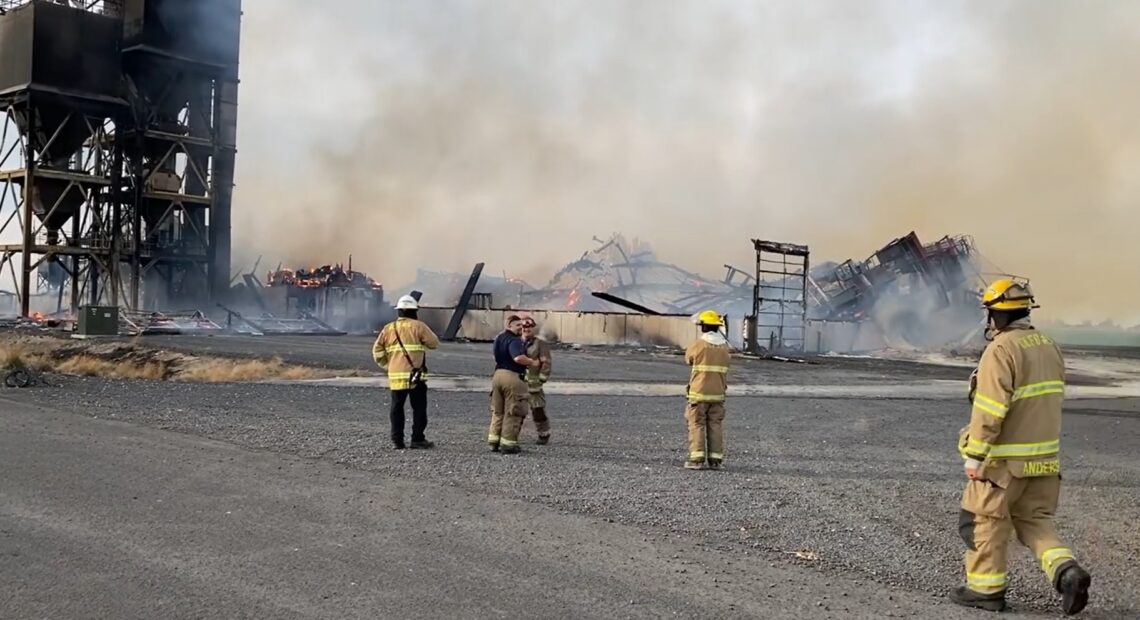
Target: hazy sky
column 442, row 133
column 439, row 133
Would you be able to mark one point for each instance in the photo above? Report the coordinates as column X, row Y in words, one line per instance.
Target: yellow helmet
column 709, row 317
column 1006, row 294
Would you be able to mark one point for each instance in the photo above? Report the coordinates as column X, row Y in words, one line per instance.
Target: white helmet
column 407, row 302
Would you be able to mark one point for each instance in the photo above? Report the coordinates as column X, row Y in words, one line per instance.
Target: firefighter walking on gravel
column 536, row 378
column 709, row 358
column 1012, row 456
column 510, row 399
column 401, row 348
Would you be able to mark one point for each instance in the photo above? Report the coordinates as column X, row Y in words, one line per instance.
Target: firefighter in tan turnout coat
column 1012, row 457
column 709, row 357
column 401, row 348
column 536, row 378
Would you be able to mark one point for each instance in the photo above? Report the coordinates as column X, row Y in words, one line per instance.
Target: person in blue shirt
column 510, row 399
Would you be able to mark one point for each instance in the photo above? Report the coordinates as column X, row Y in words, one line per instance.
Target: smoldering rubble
column 917, row 295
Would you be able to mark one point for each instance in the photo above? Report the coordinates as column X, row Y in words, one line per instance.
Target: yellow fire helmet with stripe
column 708, row 317
column 1007, row 294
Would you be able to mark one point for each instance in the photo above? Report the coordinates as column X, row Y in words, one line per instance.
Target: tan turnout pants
column 510, row 403
column 705, row 418
column 990, row 514
column 538, row 408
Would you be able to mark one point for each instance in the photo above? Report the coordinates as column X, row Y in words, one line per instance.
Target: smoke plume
column 441, row 133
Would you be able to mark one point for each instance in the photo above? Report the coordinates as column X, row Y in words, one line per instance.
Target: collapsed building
column 907, row 294
column 330, row 299
column 922, row 295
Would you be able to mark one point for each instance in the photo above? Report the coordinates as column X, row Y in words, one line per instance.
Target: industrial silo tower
column 118, row 150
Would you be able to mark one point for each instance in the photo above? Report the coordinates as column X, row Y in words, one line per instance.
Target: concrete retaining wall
column 585, row 328
column 841, row 337
column 599, row 328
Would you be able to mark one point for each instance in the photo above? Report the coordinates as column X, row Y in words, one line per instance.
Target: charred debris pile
column 915, row 294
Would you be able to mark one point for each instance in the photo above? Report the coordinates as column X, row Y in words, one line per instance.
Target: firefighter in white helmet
column 709, row 357
column 401, row 348
column 1012, row 456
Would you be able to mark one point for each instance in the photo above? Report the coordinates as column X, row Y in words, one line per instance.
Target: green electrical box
column 98, row 321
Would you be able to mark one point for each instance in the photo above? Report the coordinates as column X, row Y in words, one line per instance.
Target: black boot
column 511, row 449
column 1073, row 583
column 421, row 444
column 968, row 598
column 399, row 445
column 494, row 446
column 543, row 440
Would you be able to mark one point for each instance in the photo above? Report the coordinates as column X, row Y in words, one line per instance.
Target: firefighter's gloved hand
column 973, row 384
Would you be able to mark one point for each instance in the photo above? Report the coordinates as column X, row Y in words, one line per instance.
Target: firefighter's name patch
column 1041, row 468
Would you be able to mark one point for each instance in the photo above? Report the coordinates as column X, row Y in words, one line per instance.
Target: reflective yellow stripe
column 697, row 397
column 1039, row 389
column 1014, row 450
column 493, row 438
column 990, row 406
column 982, row 449
column 508, row 442
column 402, row 380
column 996, row 581
column 716, row 455
column 696, row 454
column 977, row 448
column 707, row 368
column 395, row 348
column 986, row 583
column 1052, row 558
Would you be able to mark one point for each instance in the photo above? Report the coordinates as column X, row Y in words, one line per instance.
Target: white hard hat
column 407, row 302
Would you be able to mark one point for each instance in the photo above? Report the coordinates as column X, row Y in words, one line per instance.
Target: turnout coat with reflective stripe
column 1017, row 407
column 710, row 357
column 417, row 338
column 535, row 377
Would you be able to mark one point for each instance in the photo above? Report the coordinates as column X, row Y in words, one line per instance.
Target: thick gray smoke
column 441, row 133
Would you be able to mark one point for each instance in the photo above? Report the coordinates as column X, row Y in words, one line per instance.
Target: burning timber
column 317, row 300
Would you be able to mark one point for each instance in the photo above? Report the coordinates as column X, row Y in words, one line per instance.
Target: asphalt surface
column 585, row 364
column 596, row 363
column 865, row 488
column 102, row 519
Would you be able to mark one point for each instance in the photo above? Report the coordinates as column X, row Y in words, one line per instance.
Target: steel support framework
column 170, row 149
column 59, row 189
column 129, row 196
column 783, row 291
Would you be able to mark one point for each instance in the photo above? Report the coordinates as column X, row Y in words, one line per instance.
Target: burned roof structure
column 631, row 272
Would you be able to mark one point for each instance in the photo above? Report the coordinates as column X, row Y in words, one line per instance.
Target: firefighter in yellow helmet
column 1012, row 456
column 709, row 357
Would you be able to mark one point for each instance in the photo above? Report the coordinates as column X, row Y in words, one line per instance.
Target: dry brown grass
column 132, row 361
column 19, row 357
column 88, row 366
column 222, row 370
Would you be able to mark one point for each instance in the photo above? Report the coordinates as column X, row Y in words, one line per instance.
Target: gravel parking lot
column 858, row 488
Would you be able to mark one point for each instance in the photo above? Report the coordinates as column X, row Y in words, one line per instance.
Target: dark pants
column 419, row 413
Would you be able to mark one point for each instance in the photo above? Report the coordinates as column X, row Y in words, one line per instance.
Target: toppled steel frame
column 464, row 300
column 850, row 290
column 306, row 325
column 168, row 323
